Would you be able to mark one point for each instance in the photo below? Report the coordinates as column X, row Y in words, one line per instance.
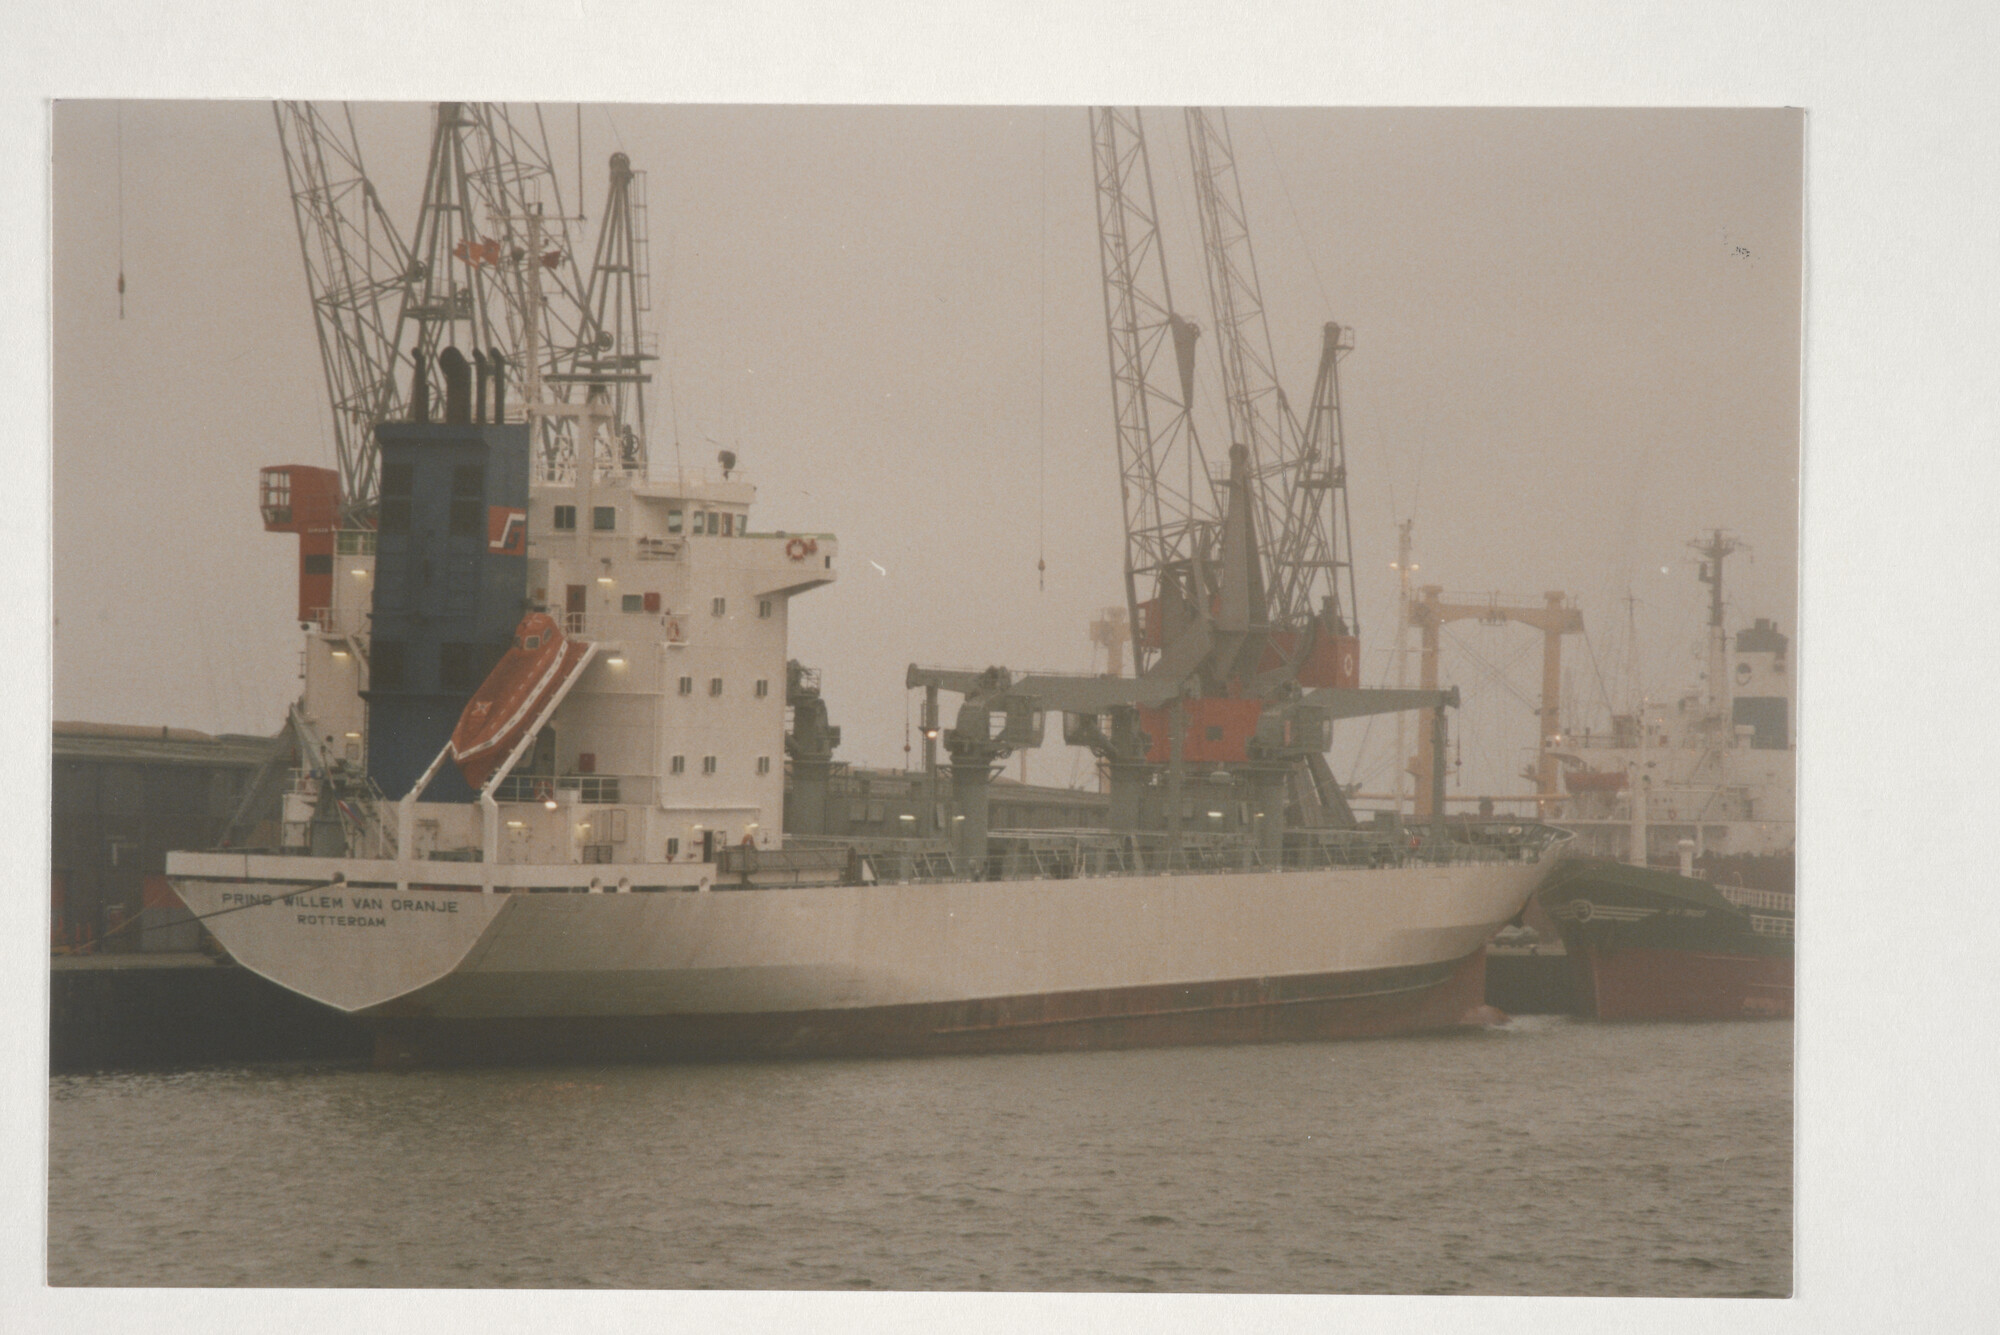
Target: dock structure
column 121, row 796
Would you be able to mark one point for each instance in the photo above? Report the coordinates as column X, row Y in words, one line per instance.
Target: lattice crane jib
column 1315, row 559
column 1260, row 418
column 1299, row 472
column 1173, row 508
column 492, row 264
column 356, row 266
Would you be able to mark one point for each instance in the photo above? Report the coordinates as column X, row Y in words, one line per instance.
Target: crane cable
column 1042, row 374
column 120, row 136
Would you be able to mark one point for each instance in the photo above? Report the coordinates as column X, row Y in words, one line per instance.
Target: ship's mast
column 1713, row 549
column 613, row 350
column 489, row 173
column 1405, row 764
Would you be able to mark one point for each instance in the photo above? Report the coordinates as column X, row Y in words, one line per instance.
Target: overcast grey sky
column 1577, row 346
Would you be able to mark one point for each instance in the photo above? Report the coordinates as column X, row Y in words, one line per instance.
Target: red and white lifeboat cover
column 520, row 684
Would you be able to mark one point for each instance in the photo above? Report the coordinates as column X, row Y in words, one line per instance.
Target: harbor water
column 1550, row 1156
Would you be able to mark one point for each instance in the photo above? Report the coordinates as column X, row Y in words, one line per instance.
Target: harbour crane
column 492, row 265
column 1555, row 616
column 1170, row 505
column 1299, row 474
column 356, row 269
column 1217, row 709
column 489, row 267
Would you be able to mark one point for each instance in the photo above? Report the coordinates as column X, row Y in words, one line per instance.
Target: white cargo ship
column 539, row 807
column 621, row 884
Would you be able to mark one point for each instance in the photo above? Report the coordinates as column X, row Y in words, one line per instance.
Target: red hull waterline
column 1374, row 1004
column 1639, row 983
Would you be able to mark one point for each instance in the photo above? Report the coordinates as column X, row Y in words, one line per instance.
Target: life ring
column 797, row 549
column 544, row 793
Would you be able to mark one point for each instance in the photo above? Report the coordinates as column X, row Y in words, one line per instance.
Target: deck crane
column 356, row 266
column 1171, row 509
column 1208, row 720
column 493, row 267
column 1299, row 473
column 489, row 267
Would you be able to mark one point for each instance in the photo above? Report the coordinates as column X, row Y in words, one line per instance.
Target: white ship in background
column 627, row 880
column 1707, row 778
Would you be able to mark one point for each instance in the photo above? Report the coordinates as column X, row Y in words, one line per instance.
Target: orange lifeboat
column 499, row 712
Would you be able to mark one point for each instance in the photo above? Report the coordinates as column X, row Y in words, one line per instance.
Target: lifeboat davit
column 499, row 712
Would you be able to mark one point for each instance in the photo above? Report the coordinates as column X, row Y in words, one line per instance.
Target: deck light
column 550, row 804
column 616, row 660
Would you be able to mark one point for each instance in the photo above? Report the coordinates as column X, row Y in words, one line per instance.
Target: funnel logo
column 506, row 531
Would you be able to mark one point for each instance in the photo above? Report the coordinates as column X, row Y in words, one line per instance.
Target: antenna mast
column 1713, row 550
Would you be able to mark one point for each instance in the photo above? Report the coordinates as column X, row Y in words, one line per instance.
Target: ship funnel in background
column 479, row 389
column 457, row 386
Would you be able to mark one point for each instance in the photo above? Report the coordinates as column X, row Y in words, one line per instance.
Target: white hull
column 463, row 953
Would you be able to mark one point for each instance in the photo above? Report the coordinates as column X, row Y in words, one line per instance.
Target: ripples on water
column 1551, row 1157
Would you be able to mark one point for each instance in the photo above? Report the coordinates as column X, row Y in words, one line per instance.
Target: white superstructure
column 672, row 743
column 1715, row 768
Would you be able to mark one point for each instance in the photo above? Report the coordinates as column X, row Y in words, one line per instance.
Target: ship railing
column 357, row 802
column 1019, row 855
column 338, row 620
column 582, row 789
column 573, row 623
column 1749, row 898
column 1765, row 925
